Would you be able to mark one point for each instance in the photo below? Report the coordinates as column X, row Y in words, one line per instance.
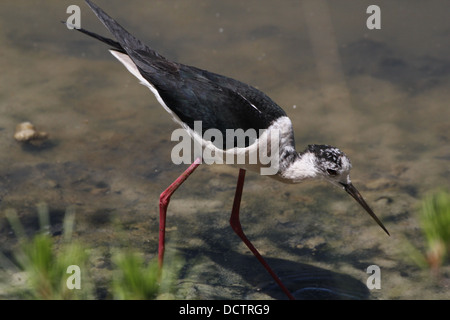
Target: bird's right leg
column 164, row 200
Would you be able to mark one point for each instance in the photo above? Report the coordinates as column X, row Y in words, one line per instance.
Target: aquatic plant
column 45, row 265
column 434, row 219
column 137, row 280
column 435, row 223
column 44, row 262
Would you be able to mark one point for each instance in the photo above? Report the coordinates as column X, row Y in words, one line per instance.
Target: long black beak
column 351, row 190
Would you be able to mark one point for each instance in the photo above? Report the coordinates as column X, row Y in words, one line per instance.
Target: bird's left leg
column 236, row 225
column 164, row 200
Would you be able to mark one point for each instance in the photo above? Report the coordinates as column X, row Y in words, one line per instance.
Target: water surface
column 379, row 95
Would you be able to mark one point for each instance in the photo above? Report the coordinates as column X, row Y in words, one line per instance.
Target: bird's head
column 334, row 166
column 331, row 164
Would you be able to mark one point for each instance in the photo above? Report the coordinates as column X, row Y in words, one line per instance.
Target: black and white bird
column 190, row 94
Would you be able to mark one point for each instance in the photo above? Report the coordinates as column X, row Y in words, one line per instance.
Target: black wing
column 191, row 93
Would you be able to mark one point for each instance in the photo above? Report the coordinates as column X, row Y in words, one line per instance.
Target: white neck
column 302, row 168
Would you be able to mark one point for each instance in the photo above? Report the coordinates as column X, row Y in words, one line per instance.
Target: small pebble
column 26, row 132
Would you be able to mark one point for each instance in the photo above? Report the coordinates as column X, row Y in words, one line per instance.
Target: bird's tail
column 114, row 44
column 127, row 41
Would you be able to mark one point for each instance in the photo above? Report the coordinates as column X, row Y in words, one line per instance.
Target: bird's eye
column 332, row 172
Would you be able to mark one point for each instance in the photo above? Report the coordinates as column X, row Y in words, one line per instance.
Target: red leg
column 236, row 225
column 164, row 200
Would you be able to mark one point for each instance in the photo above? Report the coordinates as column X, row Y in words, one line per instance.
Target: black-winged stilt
column 190, row 94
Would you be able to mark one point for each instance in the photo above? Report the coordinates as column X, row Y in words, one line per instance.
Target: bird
column 190, row 95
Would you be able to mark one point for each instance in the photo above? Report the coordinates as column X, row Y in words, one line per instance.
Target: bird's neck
column 298, row 168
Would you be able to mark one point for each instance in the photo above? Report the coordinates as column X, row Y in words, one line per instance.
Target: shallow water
column 379, row 95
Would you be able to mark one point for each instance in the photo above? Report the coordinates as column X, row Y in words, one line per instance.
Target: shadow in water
column 305, row 282
column 312, row 283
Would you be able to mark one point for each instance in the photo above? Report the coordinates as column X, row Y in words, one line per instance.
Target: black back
column 191, row 93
